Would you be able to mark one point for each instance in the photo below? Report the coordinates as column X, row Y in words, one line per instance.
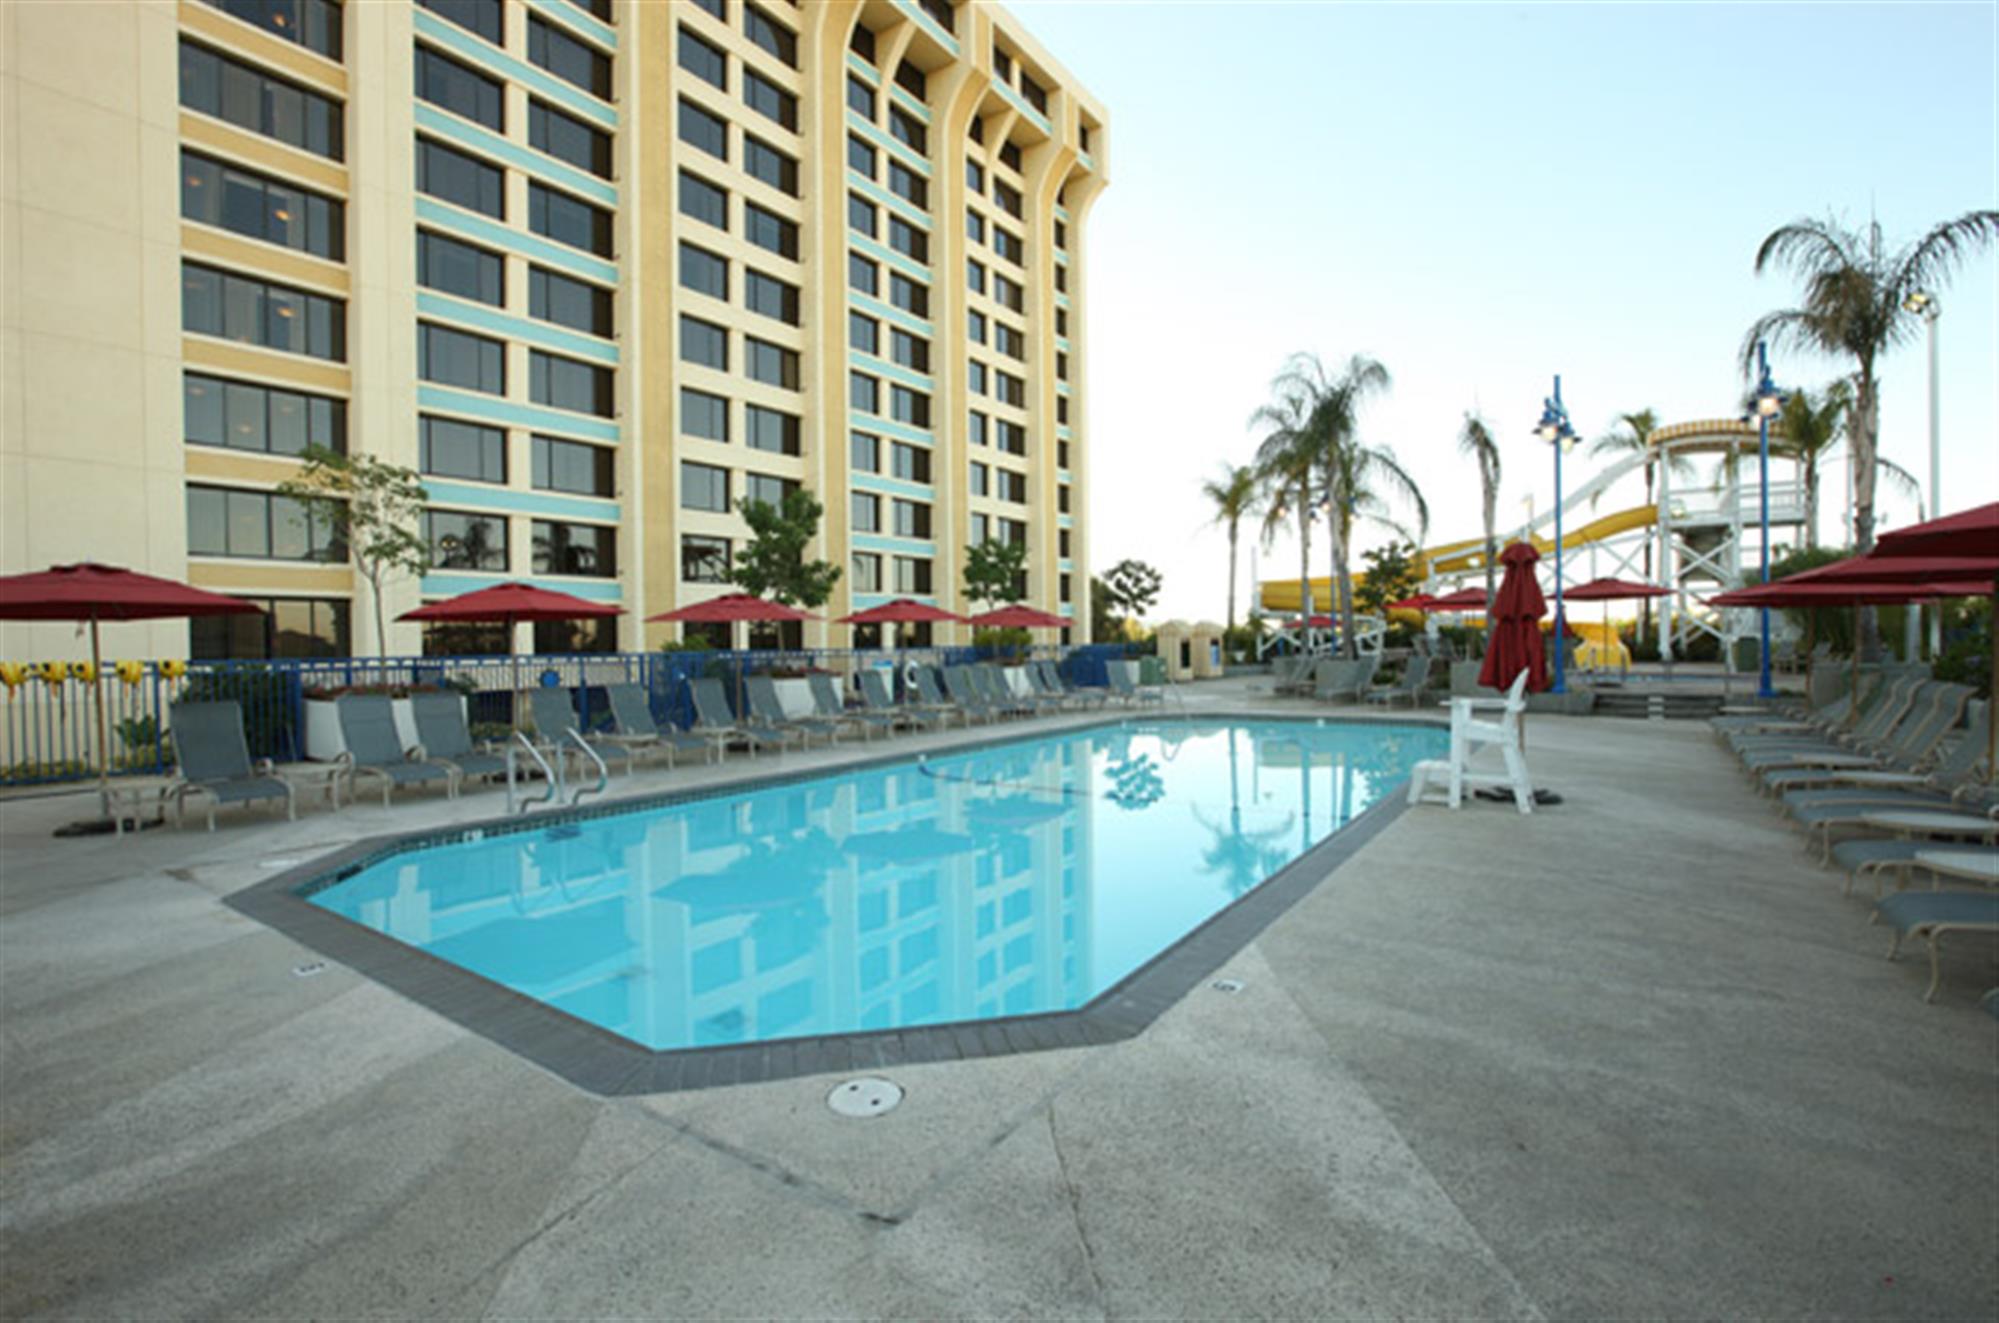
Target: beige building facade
column 599, row 270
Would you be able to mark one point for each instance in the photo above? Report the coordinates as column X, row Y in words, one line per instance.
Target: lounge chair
column 875, row 694
column 1471, row 735
column 931, row 695
column 1410, row 684
column 1051, row 678
column 632, row 719
column 713, row 719
column 368, row 728
column 445, row 738
column 558, row 729
column 1761, row 753
column 1049, row 692
column 1907, row 749
column 1124, row 686
column 992, row 682
column 830, row 708
column 1344, row 677
column 969, row 699
column 212, row 758
column 767, row 713
column 1957, row 768
column 1931, row 914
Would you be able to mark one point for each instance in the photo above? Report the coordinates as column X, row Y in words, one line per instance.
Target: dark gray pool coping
column 603, row 1063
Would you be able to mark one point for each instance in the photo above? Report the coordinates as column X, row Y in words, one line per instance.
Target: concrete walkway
column 1632, row 1056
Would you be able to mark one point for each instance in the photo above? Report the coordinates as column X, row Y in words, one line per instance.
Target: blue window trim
column 477, row 52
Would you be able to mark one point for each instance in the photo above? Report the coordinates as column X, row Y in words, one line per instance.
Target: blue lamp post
column 1554, row 428
column 1767, row 401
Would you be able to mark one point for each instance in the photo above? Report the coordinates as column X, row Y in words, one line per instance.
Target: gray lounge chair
column 875, row 694
column 713, row 719
column 631, row 714
column 212, row 756
column 826, row 697
column 368, row 728
column 930, row 692
column 970, row 699
column 554, row 713
column 1410, row 684
column 1931, row 914
column 441, row 730
column 992, row 683
column 1123, row 686
column 1082, row 697
column 767, row 713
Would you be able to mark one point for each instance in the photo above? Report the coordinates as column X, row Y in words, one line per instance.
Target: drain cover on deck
column 864, row 1097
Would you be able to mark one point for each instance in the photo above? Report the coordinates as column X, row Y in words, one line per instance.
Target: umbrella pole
column 514, row 707
column 1992, row 693
column 103, row 729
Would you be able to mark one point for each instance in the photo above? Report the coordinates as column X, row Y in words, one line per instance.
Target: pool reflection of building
column 886, row 901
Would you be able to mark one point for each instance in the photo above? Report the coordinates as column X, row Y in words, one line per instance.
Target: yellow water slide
column 1463, row 557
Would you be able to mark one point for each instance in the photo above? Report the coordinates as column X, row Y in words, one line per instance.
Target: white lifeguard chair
column 1471, row 736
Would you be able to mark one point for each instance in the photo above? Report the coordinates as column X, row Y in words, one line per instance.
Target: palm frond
column 1932, row 260
column 1806, row 246
column 1898, row 477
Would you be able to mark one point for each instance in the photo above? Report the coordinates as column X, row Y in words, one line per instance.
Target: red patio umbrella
column 1415, row 602
column 509, row 604
column 1516, row 629
column 730, row 608
column 1972, row 532
column 92, row 592
column 1020, row 616
column 1613, row 590
column 901, row 611
column 1316, row 622
column 1464, row 599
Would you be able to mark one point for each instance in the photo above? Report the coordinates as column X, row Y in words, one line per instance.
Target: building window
column 773, row 365
column 908, row 130
column 975, row 428
column 771, row 297
column 460, row 89
column 459, row 358
column 912, row 351
column 704, row 201
column 975, row 227
column 703, row 559
column 1010, row 341
column 461, row 540
column 862, row 215
column 770, row 430
column 699, row 129
column 908, row 240
column 1013, row 532
column 444, row 172
column 864, row 392
column 975, row 275
column 1061, row 279
column 258, row 312
column 460, row 268
column 719, row 8
column 288, row 627
column 767, row 489
column 906, row 184
column 981, row 530
column 1012, row 437
column 911, row 296
column 704, row 487
column 1062, row 542
column 867, row 572
column 770, row 231
column 909, row 406
column 860, row 98
column 863, row 333
column 1035, row 94
column 910, row 79
column 703, row 60
column 261, row 207
column 860, row 157
column 1009, row 154
column 1009, row 294
column 863, row 274
column 448, row 448
column 767, row 163
column 770, row 100
column 577, row 304
column 769, row 35
column 980, row 481
column 1061, row 367
column 975, row 377
column 704, row 342
column 584, row 550
column 867, row 512
column 230, row 90
column 264, row 419
column 1066, row 591
column 484, row 18
column 565, row 638
column 864, row 452
column 313, row 24
column 910, row 463
column 912, row 574
column 704, row 272
column 911, row 518
column 222, row 521
column 975, row 177
column 1061, row 235
column 569, row 59
column 567, row 138
column 569, row 220
column 572, row 466
column 1062, row 498
column 1062, row 321
column 565, row 383
column 1008, row 245
column 862, row 43
column 703, row 415
column 1002, row 66
column 975, row 327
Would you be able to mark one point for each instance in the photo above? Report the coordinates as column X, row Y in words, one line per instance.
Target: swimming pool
column 1012, row 879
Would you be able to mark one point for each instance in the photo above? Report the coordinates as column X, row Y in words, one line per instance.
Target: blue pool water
column 1017, row 878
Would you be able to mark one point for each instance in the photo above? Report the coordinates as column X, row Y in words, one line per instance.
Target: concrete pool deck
column 1631, row 1056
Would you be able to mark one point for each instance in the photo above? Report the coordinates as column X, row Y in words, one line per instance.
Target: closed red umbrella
column 93, row 592
column 509, row 604
column 1517, row 609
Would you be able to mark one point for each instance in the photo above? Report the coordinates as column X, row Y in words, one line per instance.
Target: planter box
column 323, row 741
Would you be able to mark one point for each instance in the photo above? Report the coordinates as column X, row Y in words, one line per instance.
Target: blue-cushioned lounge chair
column 1931, row 914
column 767, row 712
column 1083, row 697
column 441, row 730
column 368, row 728
column 631, row 715
column 1409, row 685
column 213, row 759
column 1123, row 686
column 713, row 719
column 992, row 686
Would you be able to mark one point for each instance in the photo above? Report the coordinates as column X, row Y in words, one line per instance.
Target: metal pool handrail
column 550, row 776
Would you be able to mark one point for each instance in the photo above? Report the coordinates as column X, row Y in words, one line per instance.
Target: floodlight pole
column 1555, row 429
column 1767, row 403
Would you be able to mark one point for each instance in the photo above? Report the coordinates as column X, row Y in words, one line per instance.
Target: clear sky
column 1482, row 195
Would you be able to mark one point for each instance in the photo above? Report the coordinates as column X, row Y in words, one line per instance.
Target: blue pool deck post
column 1554, row 428
column 1768, row 401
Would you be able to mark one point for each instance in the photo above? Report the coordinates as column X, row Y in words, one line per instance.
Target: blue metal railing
column 48, row 730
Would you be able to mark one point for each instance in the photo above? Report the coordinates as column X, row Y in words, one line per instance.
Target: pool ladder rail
column 557, row 784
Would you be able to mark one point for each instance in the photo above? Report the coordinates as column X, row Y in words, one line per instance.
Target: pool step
column 1654, row 705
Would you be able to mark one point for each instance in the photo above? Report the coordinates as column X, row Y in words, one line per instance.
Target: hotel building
column 597, row 269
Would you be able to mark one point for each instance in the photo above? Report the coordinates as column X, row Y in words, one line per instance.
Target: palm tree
column 1285, row 462
column 1235, row 496
column 1476, row 441
column 1632, row 434
column 1854, row 309
column 1811, row 428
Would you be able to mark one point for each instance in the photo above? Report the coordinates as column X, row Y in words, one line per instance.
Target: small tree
column 1133, row 586
column 1103, row 619
column 374, row 508
column 773, row 564
column 1390, row 576
column 994, row 571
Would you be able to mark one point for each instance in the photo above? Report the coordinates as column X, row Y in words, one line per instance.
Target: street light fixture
column 1924, row 304
column 1767, row 402
column 1554, row 429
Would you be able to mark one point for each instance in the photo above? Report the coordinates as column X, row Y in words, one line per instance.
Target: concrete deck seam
column 1074, row 1198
